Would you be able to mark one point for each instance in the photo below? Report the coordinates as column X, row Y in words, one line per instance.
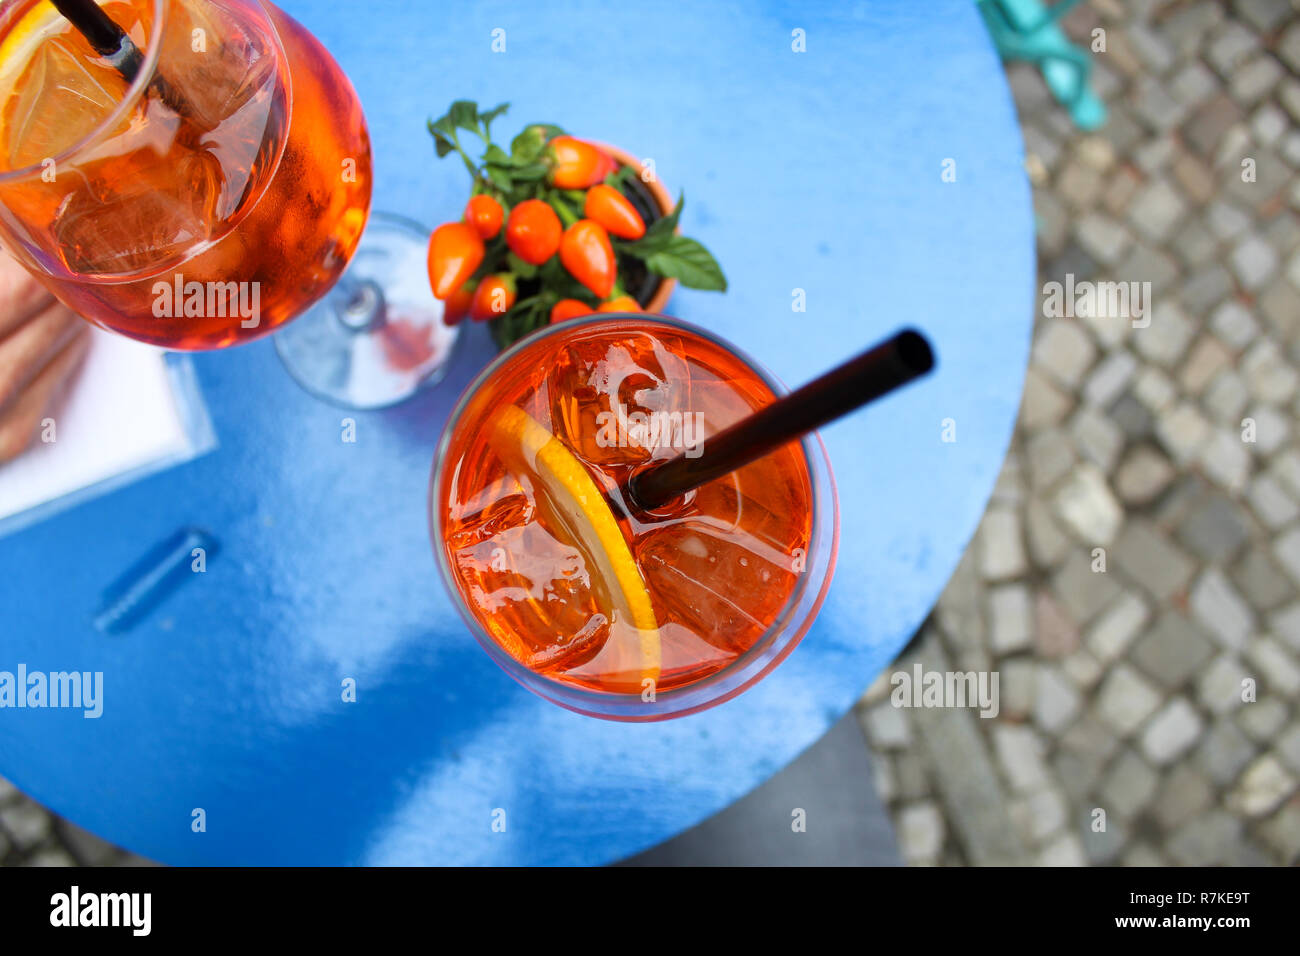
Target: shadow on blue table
column 845, row 822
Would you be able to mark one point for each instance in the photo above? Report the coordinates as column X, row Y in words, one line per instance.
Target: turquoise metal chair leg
column 1028, row 30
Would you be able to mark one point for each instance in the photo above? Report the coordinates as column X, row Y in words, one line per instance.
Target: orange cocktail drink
column 590, row 601
column 204, row 203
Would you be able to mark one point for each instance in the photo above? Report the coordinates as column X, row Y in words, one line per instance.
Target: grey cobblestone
column 1171, row 732
column 1103, row 238
column 1263, row 719
column 1109, row 379
column 1126, row 699
column 1129, row 786
column 1056, row 701
column 1183, row 795
column 1283, row 833
column 1208, row 357
column 1260, row 581
column 1168, row 336
column 1152, row 560
column 1288, row 748
column 1272, row 429
column 1262, row 788
column 1082, row 591
column 1211, row 839
column 1011, row 618
column 1044, row 404
column 1110, row 635
column 1143, row 475
column 1230, row 49
column 1064, row 350
column 1279, row 671
column 1002, row 547
column 1173, row 650
column 1156, row 209
column 1271, row 503
column 1218, row 607
column 1234, row 324
column 1227, row 397
column 1219, row 685
column 1264, row 15
column 1225, row 751
column 1252, row 82
column 1216, row 530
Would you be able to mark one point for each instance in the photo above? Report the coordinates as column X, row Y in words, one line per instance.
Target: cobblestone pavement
column 1120, row 690
column 32, row 836
column 1165, row 454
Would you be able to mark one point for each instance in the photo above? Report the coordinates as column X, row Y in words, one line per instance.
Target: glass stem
column 361, row 305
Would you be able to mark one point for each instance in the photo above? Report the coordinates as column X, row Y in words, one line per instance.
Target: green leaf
column 690, row 264
column 658, row 235
column 525, row 316
column 668, row 224
column 496, row 155
column 549, row 130
column 500, row 177
column 527, row 146
column 500, row 332
column 554, row 275
column 442, row 145
column 464, row 115
column 493, row 250
column 530, row 173
column 525, row 270
column 487, row 118
column 619, row 176
column 444, row 134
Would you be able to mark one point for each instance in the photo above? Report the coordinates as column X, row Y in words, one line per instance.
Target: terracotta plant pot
column 664, row 201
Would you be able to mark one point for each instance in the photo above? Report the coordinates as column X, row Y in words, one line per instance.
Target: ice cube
column 617, row 400
column 142, row 212
column 534, row 594
column 218, row 62
column 723, row 584
column 776, row 490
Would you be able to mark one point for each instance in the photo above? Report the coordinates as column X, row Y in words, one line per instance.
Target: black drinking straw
column 108, row 39
column 890, row 365
column 112, row 43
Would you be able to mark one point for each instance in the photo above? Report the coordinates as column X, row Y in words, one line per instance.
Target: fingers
column 41, row 344
column 21, row 296
column 20, row 422
column 29, row 348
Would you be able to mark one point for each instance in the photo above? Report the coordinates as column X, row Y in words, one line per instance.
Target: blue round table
column 819, row 171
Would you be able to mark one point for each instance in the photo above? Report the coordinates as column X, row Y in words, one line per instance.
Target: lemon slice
column 574, row 500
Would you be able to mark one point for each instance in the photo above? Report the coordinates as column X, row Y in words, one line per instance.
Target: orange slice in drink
column 575, row 503
column 61, row 95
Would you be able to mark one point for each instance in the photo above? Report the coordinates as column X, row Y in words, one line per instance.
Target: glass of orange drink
column 579, row 594
column 211, row 193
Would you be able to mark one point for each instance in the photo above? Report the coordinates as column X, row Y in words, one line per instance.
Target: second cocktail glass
column 209, row 188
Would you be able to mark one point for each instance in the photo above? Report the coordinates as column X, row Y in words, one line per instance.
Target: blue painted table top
column 818, row 171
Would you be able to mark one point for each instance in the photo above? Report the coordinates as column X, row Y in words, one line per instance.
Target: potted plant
column 555, row 228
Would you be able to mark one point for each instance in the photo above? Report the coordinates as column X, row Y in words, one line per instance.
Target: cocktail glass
column 211, row 193
column 553, row 568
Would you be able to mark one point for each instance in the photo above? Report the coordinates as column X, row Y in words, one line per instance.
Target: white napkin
column 132, row 410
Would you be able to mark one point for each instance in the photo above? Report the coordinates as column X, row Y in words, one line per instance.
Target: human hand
column 42, row 343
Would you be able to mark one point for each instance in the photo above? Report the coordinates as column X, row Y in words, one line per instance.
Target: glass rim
column 569, row 695
column 142, row 81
